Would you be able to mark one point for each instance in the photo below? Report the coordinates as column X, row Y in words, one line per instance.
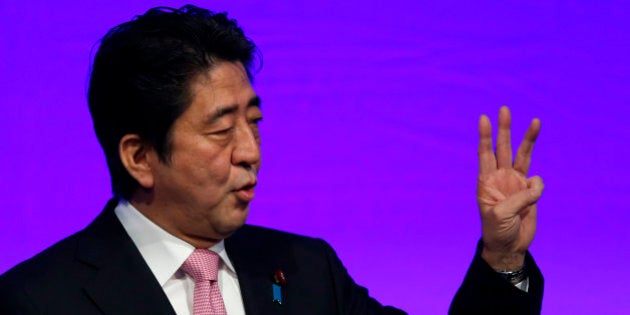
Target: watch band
column 514, row 277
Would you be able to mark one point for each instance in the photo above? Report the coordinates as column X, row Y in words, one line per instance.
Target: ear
column 136, row 156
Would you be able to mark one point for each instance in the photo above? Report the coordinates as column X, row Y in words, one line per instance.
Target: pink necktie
column 203, row 266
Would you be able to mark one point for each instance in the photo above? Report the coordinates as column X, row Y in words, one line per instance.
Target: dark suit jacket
column 485, row 292
column 100, row 271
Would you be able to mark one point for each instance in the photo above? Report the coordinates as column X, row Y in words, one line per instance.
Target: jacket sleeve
column 484, row 291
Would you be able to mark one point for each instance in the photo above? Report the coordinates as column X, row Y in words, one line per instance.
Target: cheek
column 217, row 175
column 202, row 165
column 211, row 168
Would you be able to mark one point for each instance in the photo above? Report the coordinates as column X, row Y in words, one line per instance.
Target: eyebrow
column 254, row 102
column 231, row 109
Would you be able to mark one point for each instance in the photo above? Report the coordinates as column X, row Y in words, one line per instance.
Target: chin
column 235, row 222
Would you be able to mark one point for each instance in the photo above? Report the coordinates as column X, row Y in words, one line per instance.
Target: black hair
column 142, row 72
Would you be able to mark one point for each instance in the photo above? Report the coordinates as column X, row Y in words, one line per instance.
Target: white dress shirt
column 165, row 254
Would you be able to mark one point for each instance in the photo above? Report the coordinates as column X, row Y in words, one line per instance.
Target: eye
column 255, row 121
column 222, row 132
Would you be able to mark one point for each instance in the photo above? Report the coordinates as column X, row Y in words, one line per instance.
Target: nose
column 246, row 152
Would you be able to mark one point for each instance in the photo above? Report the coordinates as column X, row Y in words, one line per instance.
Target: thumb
column 514, row 204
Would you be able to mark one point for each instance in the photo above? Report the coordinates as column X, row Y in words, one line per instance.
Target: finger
column 504, row 145
column 524, row 153
column 518, row 202
column 487, row 160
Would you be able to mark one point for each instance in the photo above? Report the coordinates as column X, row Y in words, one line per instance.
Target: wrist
column 503, row 261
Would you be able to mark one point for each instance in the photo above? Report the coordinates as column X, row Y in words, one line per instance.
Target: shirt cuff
column 523, row 285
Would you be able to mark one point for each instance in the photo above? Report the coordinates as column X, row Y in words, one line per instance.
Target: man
column 176, row 115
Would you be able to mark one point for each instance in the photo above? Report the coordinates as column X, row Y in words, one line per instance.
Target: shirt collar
column 163, row 252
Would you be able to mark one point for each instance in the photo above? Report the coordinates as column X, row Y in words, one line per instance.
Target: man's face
column 205, row 189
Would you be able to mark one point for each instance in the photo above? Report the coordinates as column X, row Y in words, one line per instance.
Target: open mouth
column 246, row 192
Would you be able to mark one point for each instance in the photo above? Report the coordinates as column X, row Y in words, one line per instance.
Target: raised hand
column 507, row 198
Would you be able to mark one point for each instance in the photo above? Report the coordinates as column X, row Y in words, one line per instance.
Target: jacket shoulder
column 44, row 263
column 262, row 237
column 248, row 230
column 311, row 266
column 37, row 278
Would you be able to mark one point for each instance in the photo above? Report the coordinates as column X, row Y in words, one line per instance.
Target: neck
column 172, row 220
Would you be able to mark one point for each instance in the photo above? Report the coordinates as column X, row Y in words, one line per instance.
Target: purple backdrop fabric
column 369, row 138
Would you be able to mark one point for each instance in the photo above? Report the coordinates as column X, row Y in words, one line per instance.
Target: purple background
column 369, row 138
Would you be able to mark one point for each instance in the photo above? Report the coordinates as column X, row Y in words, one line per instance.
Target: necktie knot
column 202, row 265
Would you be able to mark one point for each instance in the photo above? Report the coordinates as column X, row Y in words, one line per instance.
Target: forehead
column 224, row 89
column 224, row 79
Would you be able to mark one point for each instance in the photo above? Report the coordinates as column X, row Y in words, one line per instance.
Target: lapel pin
column 279, row 279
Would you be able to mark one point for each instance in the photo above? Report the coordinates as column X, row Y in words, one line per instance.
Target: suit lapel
column 122, row 281
column 255, row 264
